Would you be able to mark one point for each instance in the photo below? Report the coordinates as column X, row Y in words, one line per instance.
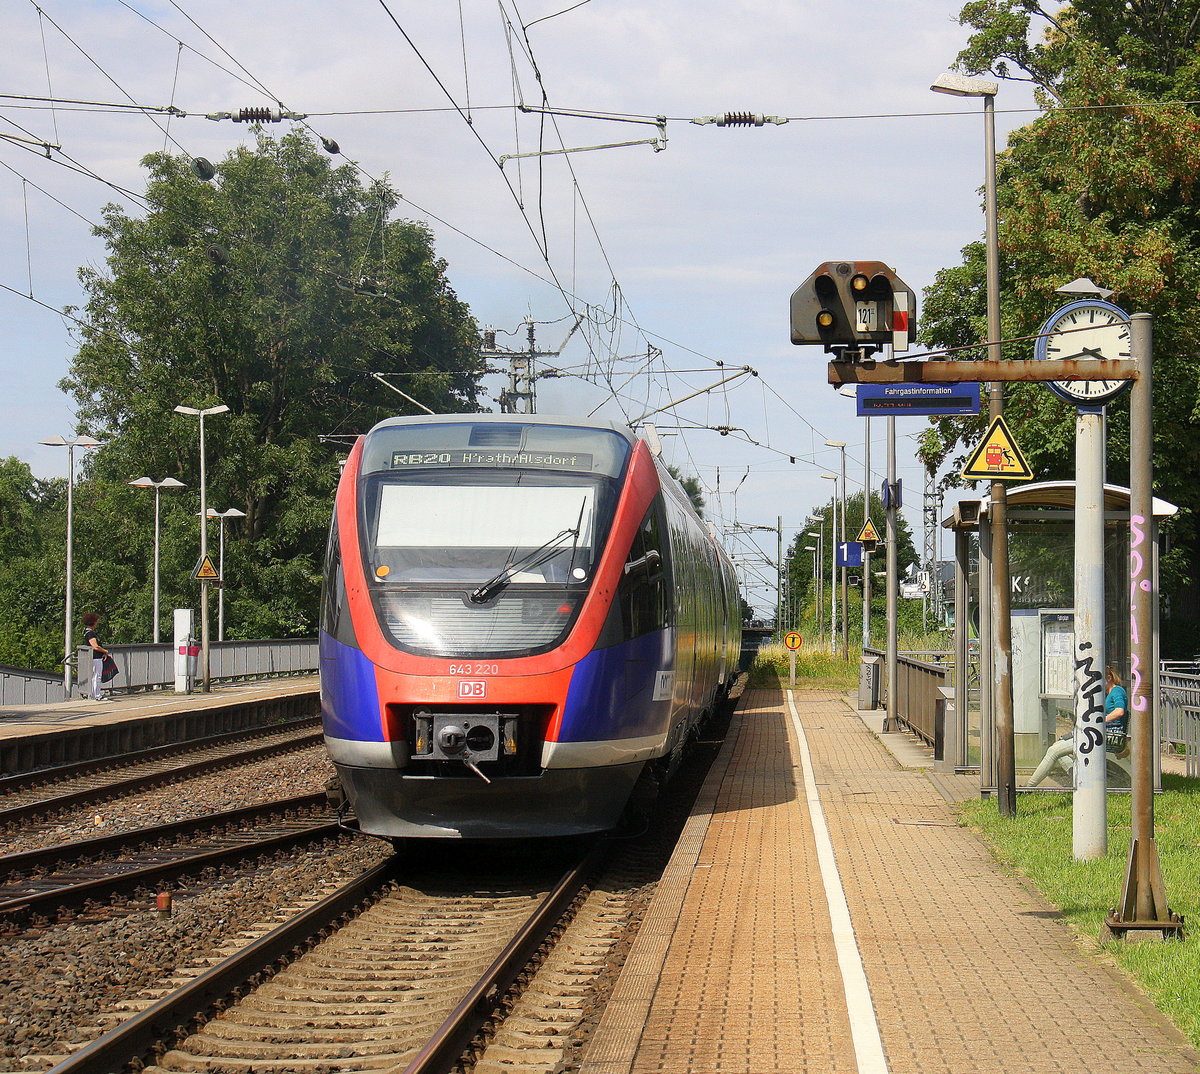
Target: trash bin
column 868, row 683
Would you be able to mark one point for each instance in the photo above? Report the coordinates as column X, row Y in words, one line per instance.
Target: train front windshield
column 481, row 539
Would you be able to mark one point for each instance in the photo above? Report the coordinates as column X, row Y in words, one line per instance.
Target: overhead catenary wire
column 617, row 315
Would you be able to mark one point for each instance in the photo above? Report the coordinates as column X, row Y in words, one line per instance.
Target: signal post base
column 1143, row 877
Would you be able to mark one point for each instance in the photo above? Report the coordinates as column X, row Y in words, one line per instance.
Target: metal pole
column 70, row 595
column 998, row 512
column 1089, row 817
column 221, row 573
column 1143, row 597
column 845, row 580
column 866, row 608
column 782, row 610
column 956, row 744
column 892, row 722
column 204, row 638
column 833, row 601
column 820, row 609
column 156, row 492
column 1144, row 898
column 987, row 661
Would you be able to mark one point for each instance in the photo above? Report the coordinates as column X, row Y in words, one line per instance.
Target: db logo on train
column 792, row 640
column 472, row 689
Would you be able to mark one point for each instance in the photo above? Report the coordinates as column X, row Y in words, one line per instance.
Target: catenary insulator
column 741, row 119
column 257, row 115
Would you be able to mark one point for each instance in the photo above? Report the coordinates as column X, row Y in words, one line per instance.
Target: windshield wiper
column 536, row 558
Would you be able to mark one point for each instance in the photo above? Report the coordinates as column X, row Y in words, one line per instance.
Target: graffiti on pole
column 1089, row 681
column 1139, row 583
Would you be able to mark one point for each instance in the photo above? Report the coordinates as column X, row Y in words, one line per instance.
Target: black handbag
column 108, row 668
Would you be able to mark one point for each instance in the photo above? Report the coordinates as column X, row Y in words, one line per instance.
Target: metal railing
column 919, row 679
column 1179, row 717
column 152, row 667
column 20, row 687
column 917, row 701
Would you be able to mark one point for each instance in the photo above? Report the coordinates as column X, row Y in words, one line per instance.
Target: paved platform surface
column 20, row 720
column 825, row 912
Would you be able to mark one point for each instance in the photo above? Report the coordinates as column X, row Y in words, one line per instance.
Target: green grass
column 819, row 669
column 1037, row 843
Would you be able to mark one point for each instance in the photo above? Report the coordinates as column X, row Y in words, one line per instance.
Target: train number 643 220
column 474, row 669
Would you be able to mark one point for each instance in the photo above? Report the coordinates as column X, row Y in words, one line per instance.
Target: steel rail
column 53, row 857
column 38, row 777
column 75, row 895
column 136, row 1037
column 452, row 1037
column 17, row 814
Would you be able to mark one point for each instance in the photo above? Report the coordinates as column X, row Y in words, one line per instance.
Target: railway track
column 72, row 875
column 47, row 792
column 407, row 980
column 415, row 942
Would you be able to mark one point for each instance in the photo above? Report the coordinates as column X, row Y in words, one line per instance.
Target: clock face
column 1090, row 328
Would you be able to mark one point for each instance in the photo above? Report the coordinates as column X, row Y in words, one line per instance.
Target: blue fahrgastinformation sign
column 917, row 399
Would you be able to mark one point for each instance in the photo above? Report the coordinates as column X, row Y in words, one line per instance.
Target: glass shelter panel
column 1041, row 566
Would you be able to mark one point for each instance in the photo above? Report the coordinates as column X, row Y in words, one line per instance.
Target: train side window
column 642, row 592
column 334, row 620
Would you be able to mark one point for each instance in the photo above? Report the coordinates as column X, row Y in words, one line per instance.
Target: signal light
column 853, row 305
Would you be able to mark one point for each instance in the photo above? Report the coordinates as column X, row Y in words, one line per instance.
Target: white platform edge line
column 864, row 1029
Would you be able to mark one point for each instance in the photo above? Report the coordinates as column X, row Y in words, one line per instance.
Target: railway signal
column 856, row 306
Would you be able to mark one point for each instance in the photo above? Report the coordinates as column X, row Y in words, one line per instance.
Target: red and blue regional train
column 522, row 615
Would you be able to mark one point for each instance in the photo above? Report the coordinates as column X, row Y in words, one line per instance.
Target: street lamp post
column 158, row 486
column 833, row 601
column 202, row 413
column 819, row 534
column 845, row 539
column 815, row 553
column 232, row 512
column 69, row 611
column 818, row 576
column 1006, row 793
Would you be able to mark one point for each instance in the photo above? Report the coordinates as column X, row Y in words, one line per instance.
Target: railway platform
column 824, row 912
column 61, row 732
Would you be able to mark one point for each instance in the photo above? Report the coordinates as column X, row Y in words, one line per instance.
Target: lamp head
column 79, row 441
column 962, row 86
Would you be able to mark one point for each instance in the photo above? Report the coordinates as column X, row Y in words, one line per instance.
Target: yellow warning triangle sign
column 205, row 571
column 869, row 533
column 997, row 458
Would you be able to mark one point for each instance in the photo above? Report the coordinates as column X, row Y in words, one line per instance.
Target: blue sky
column 692, row 250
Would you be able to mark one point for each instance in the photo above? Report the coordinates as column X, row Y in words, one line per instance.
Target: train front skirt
column 556, row 802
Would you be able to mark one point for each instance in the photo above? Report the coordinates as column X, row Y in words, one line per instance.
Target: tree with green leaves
column 803, row 585
column 32, row 565
column 1103, row 185
column 280, row 288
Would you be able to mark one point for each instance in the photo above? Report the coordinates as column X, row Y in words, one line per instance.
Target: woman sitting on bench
column 1116, row 724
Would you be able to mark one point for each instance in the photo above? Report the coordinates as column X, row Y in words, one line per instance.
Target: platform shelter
column 1041, row 548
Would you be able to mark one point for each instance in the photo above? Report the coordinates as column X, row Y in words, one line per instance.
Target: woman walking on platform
column 90, row 622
